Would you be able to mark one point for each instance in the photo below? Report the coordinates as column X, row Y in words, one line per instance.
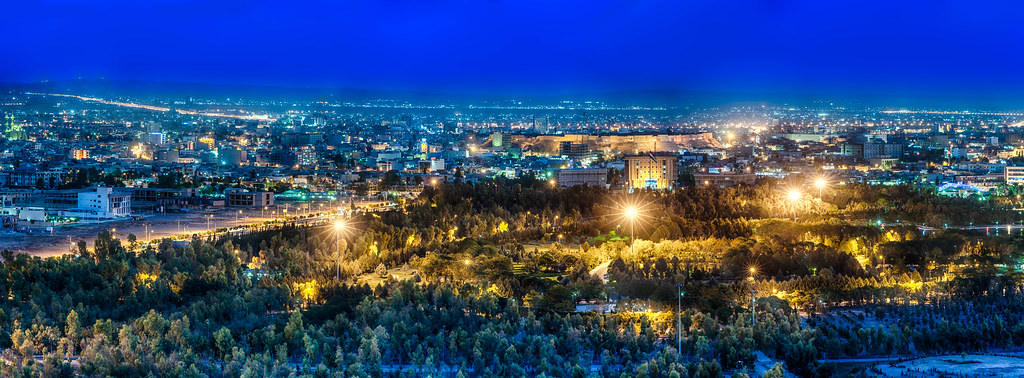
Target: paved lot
column 42, row 243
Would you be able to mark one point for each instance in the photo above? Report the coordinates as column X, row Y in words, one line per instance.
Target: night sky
column 527, row 47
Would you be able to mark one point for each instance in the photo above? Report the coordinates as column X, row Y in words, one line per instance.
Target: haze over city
column 511, row 188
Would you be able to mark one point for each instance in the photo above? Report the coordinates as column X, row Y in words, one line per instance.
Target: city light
column 793, row 195
column 485, row 200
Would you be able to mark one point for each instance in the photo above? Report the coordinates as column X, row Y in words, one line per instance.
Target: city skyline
column 500, row 188
column 947, row 49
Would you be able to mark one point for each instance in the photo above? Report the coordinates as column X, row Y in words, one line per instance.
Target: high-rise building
column 651, row 171
column 575, row 151
column 167, row 155
column 207, row 141
column 306, row 157
column 540, row 125
column 232, row 156
column 154, row 138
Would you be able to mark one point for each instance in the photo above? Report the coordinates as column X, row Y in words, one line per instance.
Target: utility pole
column 337, row 247
column 632, row 239
column 753, row 311
column 679, row 319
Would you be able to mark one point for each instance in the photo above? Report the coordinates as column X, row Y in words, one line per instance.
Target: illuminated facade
column 651, row 171
column 12, row 130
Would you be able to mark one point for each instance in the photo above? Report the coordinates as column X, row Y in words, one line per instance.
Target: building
column 540, row 125
column 238, row 198
column 723, row 180
column 79, row 154
column 168, row 156
column 1013, row 175
column 958, row 152
column 306, row 157
column 582, row 176
column 651, row 171
column 575, row 151
column 34, row 178
column 282, row 158
column 162, row 199
column 232, row 156
column 13, row 130
column 432, row 165
column 11, row 197
column 208, row 142
column 871, row 150
column 105, row 203
column 497, row 141
column 154, row 138
column 982, row 182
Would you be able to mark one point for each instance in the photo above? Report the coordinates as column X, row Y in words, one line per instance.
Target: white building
column 154, row 138
column 105, row 203
column 1013, row 175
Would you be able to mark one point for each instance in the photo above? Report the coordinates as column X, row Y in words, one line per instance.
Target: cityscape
column 410, row 191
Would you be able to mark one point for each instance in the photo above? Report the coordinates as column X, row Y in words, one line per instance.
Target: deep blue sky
column 954, row 47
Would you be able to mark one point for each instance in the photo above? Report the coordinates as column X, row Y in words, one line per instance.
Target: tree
column 72, row 331
column 391, row 179
column 776, row 371
column 223, row 340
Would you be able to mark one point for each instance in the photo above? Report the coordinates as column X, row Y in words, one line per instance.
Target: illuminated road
column 261, row 117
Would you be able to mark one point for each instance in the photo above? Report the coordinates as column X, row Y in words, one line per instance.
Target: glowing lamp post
column 339, row 226
column 631, row 214
column 793, row 196
column 820, row 183
column 753, row 312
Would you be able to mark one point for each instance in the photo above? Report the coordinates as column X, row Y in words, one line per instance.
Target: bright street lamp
column 821, row 184
column 631, row 214
column 339, row 226
column 794, row 196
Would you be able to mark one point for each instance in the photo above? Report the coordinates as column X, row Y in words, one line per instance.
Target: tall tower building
column 541, row 125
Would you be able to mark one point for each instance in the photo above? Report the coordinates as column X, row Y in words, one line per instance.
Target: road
column 153, row 227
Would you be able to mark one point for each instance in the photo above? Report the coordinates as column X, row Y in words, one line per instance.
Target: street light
column 821, row 183
column 794, row 196
column 631, row 214
column 753, row 312
column 339, row 226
